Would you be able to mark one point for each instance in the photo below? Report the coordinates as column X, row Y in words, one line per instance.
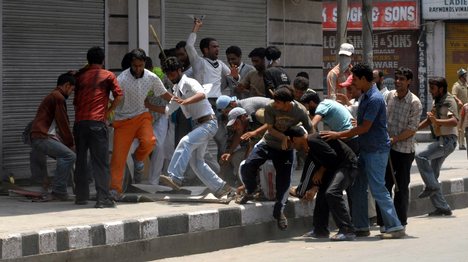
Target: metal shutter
column 41, row 39
column 242, row 23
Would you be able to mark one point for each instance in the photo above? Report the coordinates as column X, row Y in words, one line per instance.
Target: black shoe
column 81, row 202
column 440, row 213
column 105, row 203
column 53, row 196
column 462, row 148
column 362, row 233
column 427, row 192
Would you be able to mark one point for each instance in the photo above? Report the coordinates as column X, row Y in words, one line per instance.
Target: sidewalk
column 151, row 230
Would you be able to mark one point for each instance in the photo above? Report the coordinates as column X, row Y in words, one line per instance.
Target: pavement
column 62, row 231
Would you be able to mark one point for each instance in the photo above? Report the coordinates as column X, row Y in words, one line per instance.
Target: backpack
column 26, row 136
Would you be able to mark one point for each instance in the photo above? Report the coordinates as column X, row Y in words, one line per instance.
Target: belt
column 203, row 119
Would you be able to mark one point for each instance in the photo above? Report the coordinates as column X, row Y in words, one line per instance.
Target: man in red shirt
column 93, row 87
column 51, row 136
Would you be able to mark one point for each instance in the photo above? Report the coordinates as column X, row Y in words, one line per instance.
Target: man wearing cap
column 280, row 115
column 351, row 99
column 340, row 72
column 250, row 104
column 460, row 93
column 239, row 142
column 191, row 97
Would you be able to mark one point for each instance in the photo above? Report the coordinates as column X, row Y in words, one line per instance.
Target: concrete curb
column 67, row 240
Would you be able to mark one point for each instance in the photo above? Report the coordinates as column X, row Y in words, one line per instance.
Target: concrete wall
column 295, row 26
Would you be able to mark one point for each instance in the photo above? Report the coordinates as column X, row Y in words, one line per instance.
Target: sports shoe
column 114, row 195
column 362, row 233
column 427, row 192
column 343, row 237
column 393, row 235
column 170, row 182
column 244, row 198
column 105, row 203
column 282, row 222
column 226, row 190
column 316, row 234
column 440, row 213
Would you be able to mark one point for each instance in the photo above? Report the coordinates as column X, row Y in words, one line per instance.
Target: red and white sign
column 385, row 15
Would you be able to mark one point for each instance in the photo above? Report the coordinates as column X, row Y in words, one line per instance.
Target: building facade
column 41, row 39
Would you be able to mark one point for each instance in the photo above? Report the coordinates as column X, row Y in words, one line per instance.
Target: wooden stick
column 157, row 41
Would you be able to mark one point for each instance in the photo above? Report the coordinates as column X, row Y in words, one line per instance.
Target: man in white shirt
column 191, row 97
column 132, row 119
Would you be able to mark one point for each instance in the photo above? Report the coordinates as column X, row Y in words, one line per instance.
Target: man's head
column 181, row 54
column 362, row 76
column 345, row 53
column 66, row 82
column 272, row 53
column 351, row 91
column 462, row 74
column 310, row 100
column 234, row 55
column 95, row 55
column 236, row 118
column 378, row 78
column 257, row 57
column 225, row 103
column 298, row 137
column 303, row 74
column 300, row 84
column 437, row 87
column 283, row 96
column 137, row 63
column 403, row 77
column 173, row 69
column 164, row 54
column 209, row 48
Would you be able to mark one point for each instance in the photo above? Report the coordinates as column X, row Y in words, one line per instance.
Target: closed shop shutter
column 41, row 39
column 242, row 23
column 456, row 50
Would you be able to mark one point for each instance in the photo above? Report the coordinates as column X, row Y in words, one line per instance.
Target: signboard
column 385, row 15
column 456, row 50
column 392, row 49
column 445, row 9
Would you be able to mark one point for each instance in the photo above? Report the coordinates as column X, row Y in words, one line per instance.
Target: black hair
column 95, row 55
column 181, row 44
column 205, row 43
column 404, row 71
column 303, row 74
column 295, row 131
column 66, row 78
column 138, row 53
column 257, row 52
column 438, row 81
column 149, row 63
column 310, row 96
column 272, row 53
column 234, row 50
column 126, row 61
column 301, row 83
column 171, row 64
column 283, row 93
column 363, row 69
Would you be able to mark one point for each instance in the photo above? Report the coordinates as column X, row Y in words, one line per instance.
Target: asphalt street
column 428, row 239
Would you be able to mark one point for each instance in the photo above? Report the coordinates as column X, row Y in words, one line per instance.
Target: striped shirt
column 403, row 114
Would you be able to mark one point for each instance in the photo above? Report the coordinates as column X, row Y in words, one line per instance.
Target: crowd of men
column 360, row 139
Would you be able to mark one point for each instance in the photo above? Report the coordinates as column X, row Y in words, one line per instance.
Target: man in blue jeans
column 443, row 120
column 51, row 136
column 374, row 145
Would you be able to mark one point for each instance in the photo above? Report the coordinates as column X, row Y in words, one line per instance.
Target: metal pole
column 367, row 32
column 341, row 32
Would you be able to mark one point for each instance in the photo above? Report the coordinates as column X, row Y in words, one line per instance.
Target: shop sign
column 385, row 15
column 445, row 9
